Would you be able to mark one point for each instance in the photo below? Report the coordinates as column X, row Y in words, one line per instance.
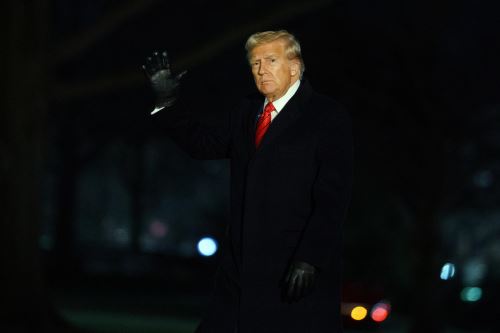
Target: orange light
column 359, row 313
column 380, row 312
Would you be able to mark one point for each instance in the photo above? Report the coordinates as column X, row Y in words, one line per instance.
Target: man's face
column 273, row 72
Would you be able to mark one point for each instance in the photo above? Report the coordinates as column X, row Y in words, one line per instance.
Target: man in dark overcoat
column 290, row 152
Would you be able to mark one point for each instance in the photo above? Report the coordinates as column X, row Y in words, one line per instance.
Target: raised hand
column 164, row 83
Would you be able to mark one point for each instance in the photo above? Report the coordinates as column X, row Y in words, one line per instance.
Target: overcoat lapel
column 251, row 123
column 288, row 115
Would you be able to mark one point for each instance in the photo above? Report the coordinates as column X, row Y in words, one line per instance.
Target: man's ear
column 295, row 67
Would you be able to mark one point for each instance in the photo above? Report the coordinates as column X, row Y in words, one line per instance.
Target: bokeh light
column 471, row 294
column 158, row 229
column 207, row 246
column 447, row 271
column 359, row 313
column 380, row 312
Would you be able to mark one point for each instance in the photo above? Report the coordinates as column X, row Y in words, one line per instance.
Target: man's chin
column 266, row 91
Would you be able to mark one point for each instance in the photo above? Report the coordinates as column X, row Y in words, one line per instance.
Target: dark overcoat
column 288, row 201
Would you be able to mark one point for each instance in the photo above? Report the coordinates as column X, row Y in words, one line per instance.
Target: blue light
column 207, row 246
column 447, row 271
column 471, row 294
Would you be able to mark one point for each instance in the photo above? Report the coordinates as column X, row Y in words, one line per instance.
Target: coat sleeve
column 209, row 139
column 321, row 239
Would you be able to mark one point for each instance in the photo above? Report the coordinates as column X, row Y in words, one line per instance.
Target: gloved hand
column 299, row 281
column 164, row 84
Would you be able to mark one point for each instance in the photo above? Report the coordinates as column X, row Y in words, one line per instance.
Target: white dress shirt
column 280, row 103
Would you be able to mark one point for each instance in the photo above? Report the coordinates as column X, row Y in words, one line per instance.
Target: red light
column 158, row 229
column 380, row 312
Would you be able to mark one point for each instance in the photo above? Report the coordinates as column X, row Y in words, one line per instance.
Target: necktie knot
column 269, row 108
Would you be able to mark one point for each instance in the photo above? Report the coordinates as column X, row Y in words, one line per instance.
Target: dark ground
column 107, row 305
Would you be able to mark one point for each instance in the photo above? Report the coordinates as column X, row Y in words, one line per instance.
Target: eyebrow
column 265, row 57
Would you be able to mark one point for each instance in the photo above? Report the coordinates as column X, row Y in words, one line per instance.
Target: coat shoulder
column 329, row 110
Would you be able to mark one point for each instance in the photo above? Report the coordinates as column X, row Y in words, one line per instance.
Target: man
column 290, row 151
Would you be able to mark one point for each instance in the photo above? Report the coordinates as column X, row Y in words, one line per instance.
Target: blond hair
column 292, row 45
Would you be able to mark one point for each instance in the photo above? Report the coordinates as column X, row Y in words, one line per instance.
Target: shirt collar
column 280, row 103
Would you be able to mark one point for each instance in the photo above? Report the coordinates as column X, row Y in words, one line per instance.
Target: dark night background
column 101, row 213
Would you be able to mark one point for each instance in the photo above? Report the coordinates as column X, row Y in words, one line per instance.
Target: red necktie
column 263, row 123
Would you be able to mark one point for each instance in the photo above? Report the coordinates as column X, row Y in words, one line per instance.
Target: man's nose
column 262, row 69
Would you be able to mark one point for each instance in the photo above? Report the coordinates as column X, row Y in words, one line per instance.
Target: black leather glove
column 164, row 84
column 299, row 281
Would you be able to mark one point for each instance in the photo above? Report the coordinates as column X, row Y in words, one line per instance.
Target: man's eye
column 273, row 60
